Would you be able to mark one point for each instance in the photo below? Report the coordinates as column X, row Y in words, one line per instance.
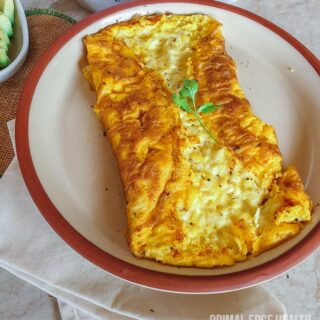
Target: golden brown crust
column 253, row 141
column 152, row 142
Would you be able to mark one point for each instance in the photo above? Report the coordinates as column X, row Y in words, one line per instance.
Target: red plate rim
column 115, row 266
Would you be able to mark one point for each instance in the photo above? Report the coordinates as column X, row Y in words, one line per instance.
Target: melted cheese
column 164, row 44
column 224, row 188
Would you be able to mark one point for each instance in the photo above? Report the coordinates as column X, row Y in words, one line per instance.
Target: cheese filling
column 223, row 189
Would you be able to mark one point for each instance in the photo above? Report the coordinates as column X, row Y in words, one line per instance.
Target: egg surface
column 191, row 201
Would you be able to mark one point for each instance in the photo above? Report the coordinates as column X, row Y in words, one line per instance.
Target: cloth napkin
column 31, row 250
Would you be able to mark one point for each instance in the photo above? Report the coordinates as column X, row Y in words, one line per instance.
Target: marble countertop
column 298, row 289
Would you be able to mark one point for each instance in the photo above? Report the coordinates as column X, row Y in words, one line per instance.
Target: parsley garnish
column 186, row 100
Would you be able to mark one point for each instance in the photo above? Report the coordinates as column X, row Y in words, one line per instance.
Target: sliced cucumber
column 4, row 40
column 4, row 37
column 7, row 7
column 4, row 59
column 5, row 25
column 4, row 46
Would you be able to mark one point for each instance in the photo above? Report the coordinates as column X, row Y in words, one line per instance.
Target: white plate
column 74, row 161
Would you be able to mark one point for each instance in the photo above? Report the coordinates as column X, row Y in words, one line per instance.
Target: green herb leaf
column 184, row 92
column 181, row 102
column 208, row 107
column 189, row 91
column 190, row 88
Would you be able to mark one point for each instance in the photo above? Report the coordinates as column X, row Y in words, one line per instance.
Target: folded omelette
column 191, row 201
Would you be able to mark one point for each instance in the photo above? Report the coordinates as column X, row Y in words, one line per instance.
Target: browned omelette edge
column 220, row 123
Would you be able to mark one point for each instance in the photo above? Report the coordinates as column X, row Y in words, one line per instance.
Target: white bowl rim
column 15, row 65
